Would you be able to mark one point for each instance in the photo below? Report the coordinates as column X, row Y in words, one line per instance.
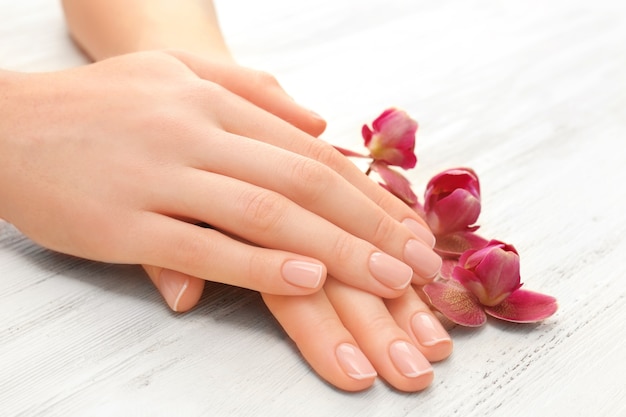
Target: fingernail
column 408, row 360
column 390, row 271
column 173, row 286
column 424, row 261
column 302, row 274
column 354, row 363
column 420, row 231
column 428, row 330
column 315, row 115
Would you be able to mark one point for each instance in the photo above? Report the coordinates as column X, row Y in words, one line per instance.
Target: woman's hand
column 114, row 161
column 347, row 335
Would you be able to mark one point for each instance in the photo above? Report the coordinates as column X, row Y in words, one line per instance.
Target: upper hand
column 114, row 160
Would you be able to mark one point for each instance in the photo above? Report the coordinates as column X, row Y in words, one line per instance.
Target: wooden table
column 532, row 95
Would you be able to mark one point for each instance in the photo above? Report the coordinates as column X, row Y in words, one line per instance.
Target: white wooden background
column 531, row 94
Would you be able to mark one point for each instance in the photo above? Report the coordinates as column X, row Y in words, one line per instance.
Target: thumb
column 258, row 87
column 180, row 291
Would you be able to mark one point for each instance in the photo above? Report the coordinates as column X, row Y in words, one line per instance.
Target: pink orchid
column 395, row 182
column 392, row 138
column 452, row 201
column 451, row 207
column 487, row 281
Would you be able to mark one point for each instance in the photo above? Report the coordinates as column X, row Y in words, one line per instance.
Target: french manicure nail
column 173, row 286
column 354, row 363
column 428, row 330
column 420, row 231
column 390, row 271
column 302, row 274
column 423, row 259
column 408, row 360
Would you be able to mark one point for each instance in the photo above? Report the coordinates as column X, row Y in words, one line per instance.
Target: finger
column 321, row 190
column 258, row 87
column 212, row 256
column 311, row 322
column 297, row 140
column 180, row 291
column 269, row 129
column 387, row 346
column 418, row 321
column 270, row 220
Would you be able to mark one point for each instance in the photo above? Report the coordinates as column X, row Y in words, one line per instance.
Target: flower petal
column 366, row 132
column 453, row 245
column 456, row 303
column 395, row 182
column 447, row 266
column 499, row 271
column 457, row 211
column 524, row 306
column 452, row 201
column 348, row 152
column 392, row 138
column 397, row 127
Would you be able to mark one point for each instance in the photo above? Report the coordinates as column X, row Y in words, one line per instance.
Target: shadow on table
column 37, row 265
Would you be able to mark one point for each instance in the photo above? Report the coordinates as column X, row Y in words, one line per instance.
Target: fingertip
column 317, row 124
column 307, row 275
column 356, row 366
column 415, row 373
column 421, row 230
column 190, row 297
column 181, row 292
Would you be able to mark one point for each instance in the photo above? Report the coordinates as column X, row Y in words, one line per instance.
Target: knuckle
column 343, row 248
column 386, row 200
column 326, row 324
column 263, row 79
column 312, row 179
column 384, row 230
column 262, row 267
column 263, row 210
column 193, row 251
column 317, row 324
column 379, row 325
column 202, row 92
column 325, row 153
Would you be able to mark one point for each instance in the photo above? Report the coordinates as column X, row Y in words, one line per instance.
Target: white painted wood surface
column 530, row 94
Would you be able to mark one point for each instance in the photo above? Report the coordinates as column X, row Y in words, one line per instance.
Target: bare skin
column 133, row 177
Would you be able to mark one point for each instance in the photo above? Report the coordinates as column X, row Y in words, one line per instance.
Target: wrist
column 7, row 82
column 105, row 28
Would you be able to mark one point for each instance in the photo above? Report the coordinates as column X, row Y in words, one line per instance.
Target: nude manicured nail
column 408, row 360
column 302, row 274
column 420, row 231
column 316, row 115
column 390, row 271
column 423, row 259
column 354, row 363
column 428, row 330
column 173, row 286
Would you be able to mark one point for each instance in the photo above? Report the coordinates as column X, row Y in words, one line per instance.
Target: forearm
column 8, row 109
column 105, row 28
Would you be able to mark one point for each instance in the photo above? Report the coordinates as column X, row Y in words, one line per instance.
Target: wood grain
column 532, row 95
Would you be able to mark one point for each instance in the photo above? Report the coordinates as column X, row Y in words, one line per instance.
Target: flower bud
column 452, row 201
column 491, row 273
column 392, row 138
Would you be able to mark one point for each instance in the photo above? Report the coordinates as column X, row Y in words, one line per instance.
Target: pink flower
column 451, row 207
column 392, row 138
column 487, row 281
column 395, row 182
column 452, row 201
